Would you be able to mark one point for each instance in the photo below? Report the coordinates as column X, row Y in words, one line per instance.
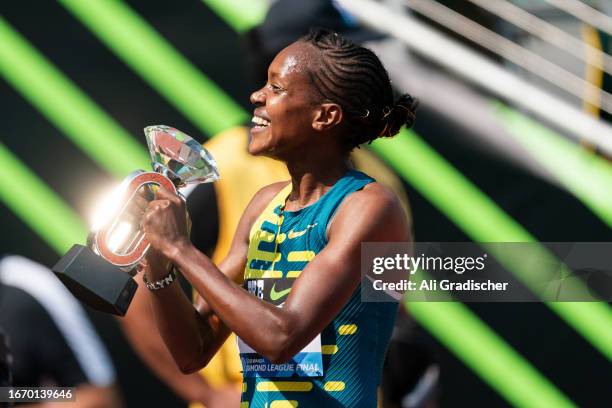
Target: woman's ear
column 327, row 115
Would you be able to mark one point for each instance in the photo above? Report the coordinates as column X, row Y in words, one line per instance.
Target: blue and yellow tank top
column 353, row 344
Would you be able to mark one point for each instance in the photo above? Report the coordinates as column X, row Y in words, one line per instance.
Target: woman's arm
column 153, row 351
column 193, row 334
column 173, row 312
column 323, row 288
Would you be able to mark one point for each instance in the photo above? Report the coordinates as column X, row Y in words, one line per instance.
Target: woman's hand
column 165, row 222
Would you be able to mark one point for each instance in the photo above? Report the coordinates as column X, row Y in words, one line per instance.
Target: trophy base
column 94, row 281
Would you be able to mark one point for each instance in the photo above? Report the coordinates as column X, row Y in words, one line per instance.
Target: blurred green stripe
column 483, row 221
column 583, row 173
column 153, row 58
column 453, row 194
column 37, row 205
column 66, row 106
column 456, row 197
column 239, row 14
column 481, row 349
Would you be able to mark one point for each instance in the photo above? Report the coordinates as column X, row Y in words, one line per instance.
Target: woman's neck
column 311, row 179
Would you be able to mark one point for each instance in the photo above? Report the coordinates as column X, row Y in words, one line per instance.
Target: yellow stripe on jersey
column 264, row 255
column 300, row 256
column 329, row 349
column 293, row 274
column 268, row 213
column 265, row 236
column 284, row 404
column 244, row 404
column 253, row 251
column 244, row 387
column 288, row 386
column 259, row 274
column 334, row 386
column 347, row 329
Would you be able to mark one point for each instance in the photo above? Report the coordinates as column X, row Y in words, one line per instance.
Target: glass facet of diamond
column 178, row 156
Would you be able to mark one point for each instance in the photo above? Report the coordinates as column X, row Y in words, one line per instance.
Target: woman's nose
column 258, row 97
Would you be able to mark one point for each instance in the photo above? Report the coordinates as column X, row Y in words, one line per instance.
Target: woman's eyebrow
column 277, row 78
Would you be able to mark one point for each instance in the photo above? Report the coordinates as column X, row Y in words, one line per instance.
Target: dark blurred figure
column 410, row 375
column 52, row 342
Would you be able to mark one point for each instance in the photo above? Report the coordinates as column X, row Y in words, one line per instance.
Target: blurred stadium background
column 510, row 145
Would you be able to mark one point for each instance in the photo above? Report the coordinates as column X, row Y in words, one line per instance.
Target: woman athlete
column 290, row 285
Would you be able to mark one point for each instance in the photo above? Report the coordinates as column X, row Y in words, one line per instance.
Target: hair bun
column 402, row 113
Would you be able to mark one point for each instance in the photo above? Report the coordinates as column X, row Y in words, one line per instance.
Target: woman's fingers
column 165, row 221
column 163, row 194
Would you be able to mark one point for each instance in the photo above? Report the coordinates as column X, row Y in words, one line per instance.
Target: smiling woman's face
column 282, row 119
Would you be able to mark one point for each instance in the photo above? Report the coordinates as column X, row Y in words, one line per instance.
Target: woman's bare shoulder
column 261, row 199
column 376, row 211
column 377, row 195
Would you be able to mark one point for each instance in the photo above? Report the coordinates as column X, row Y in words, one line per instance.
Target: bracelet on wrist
column 162, row 283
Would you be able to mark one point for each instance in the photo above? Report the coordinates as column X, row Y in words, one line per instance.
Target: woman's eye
column 275, row 88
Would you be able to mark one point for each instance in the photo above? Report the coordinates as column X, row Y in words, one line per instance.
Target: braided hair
column 353, row 77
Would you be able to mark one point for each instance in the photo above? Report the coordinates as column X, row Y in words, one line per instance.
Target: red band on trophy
column 109, row 236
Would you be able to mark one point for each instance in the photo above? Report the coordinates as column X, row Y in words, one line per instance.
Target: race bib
column 307, row 363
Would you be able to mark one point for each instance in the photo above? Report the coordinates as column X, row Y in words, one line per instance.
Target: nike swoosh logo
column 292, row 234
column 295, row 234
column 274, row 295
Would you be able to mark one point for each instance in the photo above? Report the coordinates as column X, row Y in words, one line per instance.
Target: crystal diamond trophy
column 100, row 273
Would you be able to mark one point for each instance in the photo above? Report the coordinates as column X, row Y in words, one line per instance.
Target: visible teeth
column 260, row 121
